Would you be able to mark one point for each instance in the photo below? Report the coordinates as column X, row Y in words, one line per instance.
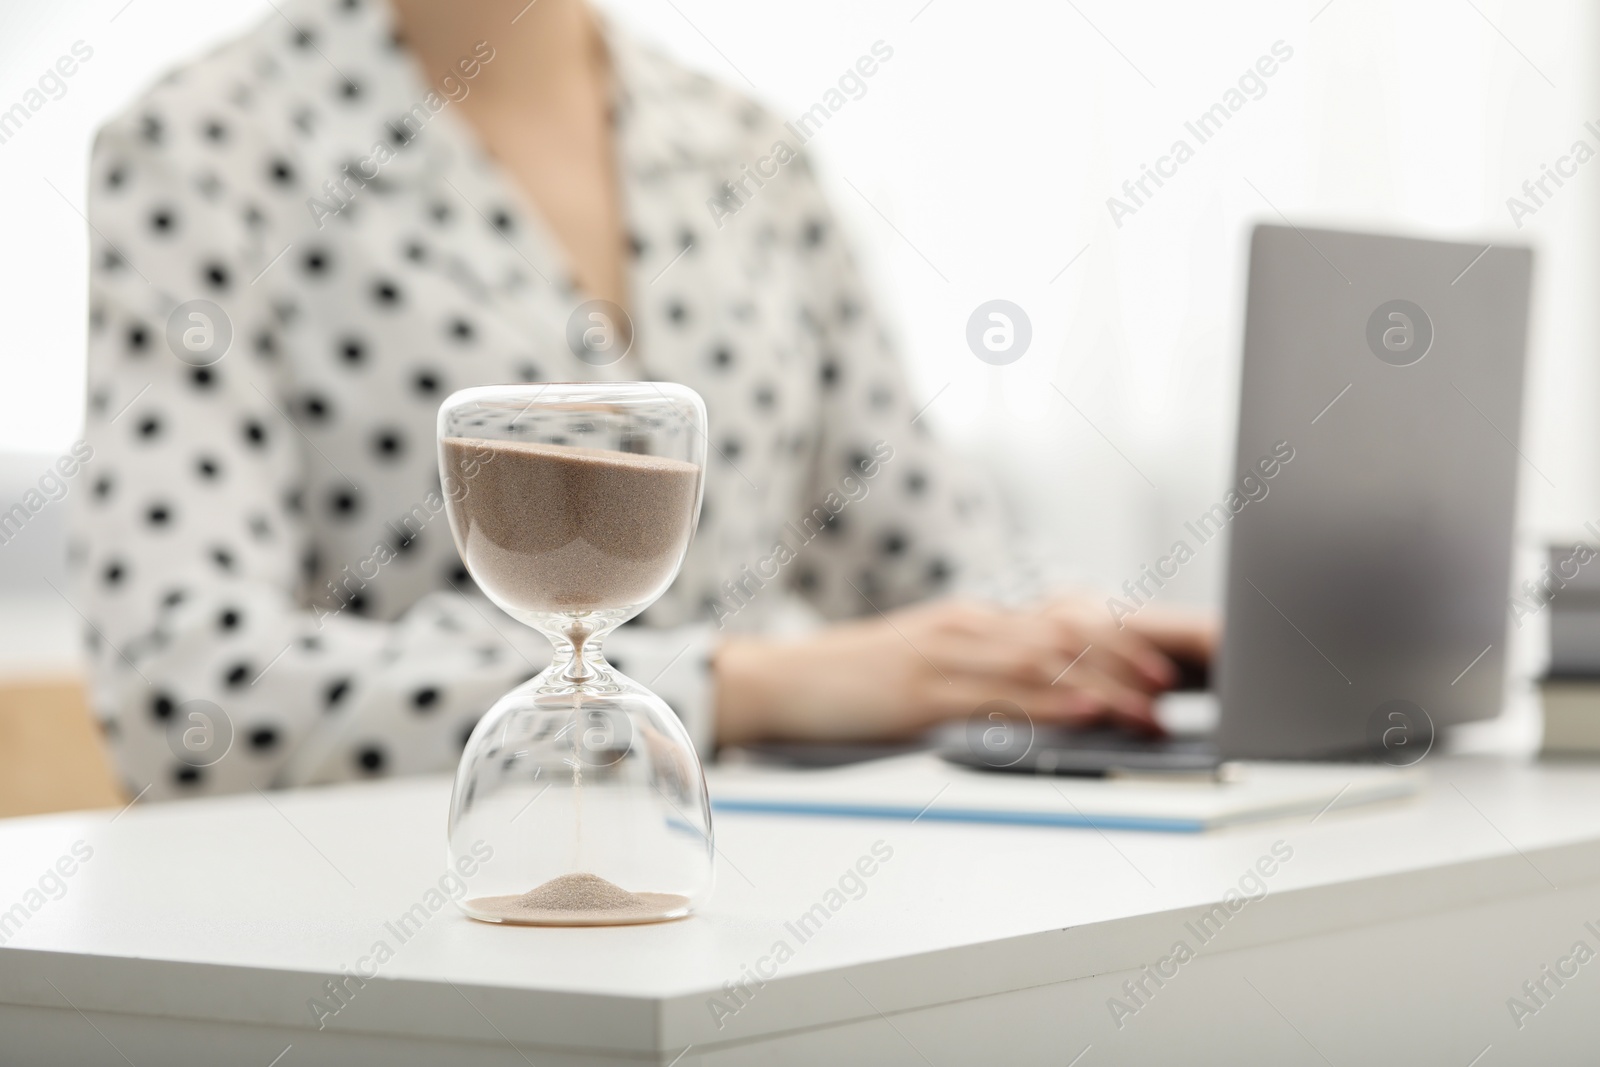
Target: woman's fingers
column 966, row 696
column 894, row 676
column 1111, row 698
column 1043, row 664
column 1092, row 696
column 1016, row 657
column 1184, row 634
column 1128, row 655
column 1043, row 646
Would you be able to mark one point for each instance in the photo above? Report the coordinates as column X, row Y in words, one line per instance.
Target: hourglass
column 572, row 506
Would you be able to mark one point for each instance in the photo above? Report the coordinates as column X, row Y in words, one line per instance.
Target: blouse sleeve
column 210, row 669
column 906, row 519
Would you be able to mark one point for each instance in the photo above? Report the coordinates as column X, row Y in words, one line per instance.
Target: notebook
column 922, row 787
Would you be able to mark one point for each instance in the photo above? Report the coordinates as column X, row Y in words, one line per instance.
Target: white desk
column 198, row 931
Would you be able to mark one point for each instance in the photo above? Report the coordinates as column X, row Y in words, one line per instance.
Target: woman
column 376, row 205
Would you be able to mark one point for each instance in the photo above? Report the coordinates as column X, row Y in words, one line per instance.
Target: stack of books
column 1569, row 590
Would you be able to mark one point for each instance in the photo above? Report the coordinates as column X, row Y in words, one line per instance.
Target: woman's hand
column 1180, row 635
column 896, row 674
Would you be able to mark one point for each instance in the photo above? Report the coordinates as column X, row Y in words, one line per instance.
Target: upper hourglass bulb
column 573, row 506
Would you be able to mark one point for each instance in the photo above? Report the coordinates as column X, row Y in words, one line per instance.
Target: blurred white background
column 978, row 165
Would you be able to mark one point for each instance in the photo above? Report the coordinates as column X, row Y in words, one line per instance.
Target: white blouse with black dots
column 244, row 538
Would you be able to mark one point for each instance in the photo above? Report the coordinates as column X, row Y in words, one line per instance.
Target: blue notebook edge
column 962, row 815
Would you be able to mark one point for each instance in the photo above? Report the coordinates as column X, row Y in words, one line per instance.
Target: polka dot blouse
column 255, row 537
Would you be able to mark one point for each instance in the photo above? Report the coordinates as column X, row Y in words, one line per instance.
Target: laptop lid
column 1371, row 525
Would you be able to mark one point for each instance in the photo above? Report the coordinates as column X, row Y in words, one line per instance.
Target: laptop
column 1366, row 592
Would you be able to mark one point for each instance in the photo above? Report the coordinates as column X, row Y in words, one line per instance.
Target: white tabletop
column 240, row 908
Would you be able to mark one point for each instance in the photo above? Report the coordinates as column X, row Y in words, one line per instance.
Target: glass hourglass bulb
column 572, row 506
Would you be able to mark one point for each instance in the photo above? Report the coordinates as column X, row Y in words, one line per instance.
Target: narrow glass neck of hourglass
column 578, row 659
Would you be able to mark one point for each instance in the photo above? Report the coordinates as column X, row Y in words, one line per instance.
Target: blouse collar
column 397, row 103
